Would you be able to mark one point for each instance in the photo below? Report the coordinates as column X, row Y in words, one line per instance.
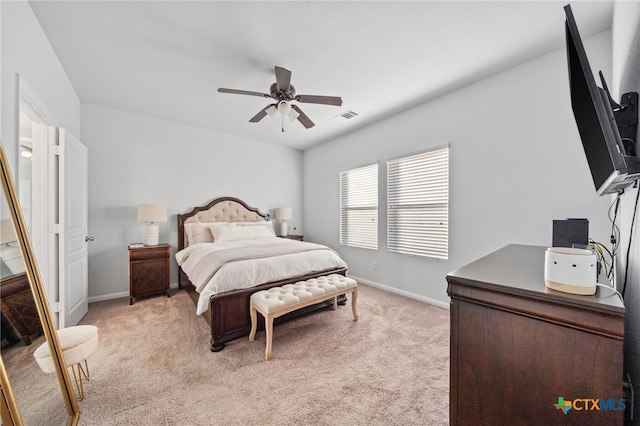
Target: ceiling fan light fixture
column 284, row 107
column 272, row 111
column 293, row 114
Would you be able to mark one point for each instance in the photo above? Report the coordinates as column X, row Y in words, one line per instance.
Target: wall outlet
column 374, row 265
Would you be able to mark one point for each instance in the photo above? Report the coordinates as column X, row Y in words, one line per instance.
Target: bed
column 220, row 276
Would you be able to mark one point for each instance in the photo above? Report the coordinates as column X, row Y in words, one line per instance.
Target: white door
column 73, row 203
column 38, row 194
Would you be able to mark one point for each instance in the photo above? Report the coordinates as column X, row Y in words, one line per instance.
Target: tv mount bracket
column 626, row 115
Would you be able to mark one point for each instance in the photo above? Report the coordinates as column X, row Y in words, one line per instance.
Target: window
column 359, row 207
column 418, row 204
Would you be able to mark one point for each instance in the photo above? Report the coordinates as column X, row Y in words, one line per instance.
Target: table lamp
column 283, row 214
column 152, row 213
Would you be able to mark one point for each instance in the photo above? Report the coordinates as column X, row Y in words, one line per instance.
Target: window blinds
column 418, row 204
column 359, row 207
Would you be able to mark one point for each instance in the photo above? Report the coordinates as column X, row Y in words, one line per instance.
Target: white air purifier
column 570, row 270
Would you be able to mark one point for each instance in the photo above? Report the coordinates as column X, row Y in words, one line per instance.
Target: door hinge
column 56, row 228
column 56, row 149
column 57, row 307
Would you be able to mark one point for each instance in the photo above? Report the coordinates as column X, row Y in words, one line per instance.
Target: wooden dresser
column 517, row 347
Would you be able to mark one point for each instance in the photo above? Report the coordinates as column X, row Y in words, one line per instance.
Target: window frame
column 354, row 230
column 421, row 227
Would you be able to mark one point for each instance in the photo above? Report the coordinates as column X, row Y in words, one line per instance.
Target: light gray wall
column 136, row 159
column 626, row 78
column 26, row 51
column 516, row 163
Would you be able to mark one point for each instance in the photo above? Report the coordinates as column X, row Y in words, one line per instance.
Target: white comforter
column 239, row 274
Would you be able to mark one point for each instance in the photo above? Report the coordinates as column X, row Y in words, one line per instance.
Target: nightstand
column 294, row 237
column 18, row 305
column 148, row 271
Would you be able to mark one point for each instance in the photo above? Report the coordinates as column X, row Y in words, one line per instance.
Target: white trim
column 405, row 293
column 429, row 300
column 103, row 297
column 34, row 102
column 43, row 192
column 121, row 294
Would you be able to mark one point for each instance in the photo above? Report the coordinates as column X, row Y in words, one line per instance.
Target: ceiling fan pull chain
column 282, row 116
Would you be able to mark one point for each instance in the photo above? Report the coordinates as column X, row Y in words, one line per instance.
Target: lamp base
column 283, row 229
column 152, row 235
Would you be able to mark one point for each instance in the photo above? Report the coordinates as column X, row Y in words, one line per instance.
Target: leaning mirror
column 28, row 396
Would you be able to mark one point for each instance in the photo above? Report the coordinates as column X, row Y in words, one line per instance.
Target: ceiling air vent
column 348, row 115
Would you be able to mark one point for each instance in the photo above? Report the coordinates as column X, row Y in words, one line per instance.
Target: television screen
column 594, row 117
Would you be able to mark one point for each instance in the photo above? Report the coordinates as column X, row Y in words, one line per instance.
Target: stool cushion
column 291, row 294
column 77, row 344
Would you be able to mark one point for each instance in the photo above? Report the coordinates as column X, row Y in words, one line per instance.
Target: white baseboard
column 405, row 293
column 390, row 289
column 118, row 295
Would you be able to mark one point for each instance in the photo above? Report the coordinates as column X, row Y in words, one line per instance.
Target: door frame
column 44, row 203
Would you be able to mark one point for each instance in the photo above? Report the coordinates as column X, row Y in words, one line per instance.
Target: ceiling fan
column 283, row 92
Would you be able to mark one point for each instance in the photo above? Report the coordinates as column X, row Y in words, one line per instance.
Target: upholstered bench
column 278, row 301
column 77, row 343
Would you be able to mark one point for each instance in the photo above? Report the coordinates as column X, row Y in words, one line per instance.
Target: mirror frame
column 8, row 406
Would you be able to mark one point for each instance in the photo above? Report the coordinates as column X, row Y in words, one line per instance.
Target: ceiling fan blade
column 283, row 79
column 302, row 118
column 325, row 100
column 243, row 92
column 260, row 115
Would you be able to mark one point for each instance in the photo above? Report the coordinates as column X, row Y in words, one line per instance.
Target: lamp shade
column 284, row 213
column 152, row 213
column 7, row 234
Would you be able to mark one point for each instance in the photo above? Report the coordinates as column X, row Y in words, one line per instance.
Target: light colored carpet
column 154, row 367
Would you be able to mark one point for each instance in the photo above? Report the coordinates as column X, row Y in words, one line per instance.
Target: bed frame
column 228, row 313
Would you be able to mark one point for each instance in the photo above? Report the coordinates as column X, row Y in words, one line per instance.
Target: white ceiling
column 168, row 58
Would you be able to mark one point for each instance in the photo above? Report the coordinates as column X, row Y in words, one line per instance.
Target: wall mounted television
column 608, row 130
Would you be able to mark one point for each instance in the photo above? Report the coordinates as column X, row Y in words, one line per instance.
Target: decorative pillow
column 200, row 232
column 241, row 233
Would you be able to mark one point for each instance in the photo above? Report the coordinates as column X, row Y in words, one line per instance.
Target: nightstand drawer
column 14, row 285
column 149, row 253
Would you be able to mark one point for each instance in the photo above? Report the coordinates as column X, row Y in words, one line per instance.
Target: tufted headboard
column 224, row 209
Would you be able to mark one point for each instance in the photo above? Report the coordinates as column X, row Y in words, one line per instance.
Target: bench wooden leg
column 335, row 303
column 254, row 323
column 268, row 325
column 354, row 297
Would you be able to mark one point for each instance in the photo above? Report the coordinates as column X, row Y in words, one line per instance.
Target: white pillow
column 259, row 223
column 200, row 232
column 241, row 233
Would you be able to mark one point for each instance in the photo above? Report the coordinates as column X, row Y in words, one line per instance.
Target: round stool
column 77, row 344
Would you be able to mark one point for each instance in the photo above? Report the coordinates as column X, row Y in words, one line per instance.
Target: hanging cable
column 615, row 234
column 633, row 220
column 600, row 249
